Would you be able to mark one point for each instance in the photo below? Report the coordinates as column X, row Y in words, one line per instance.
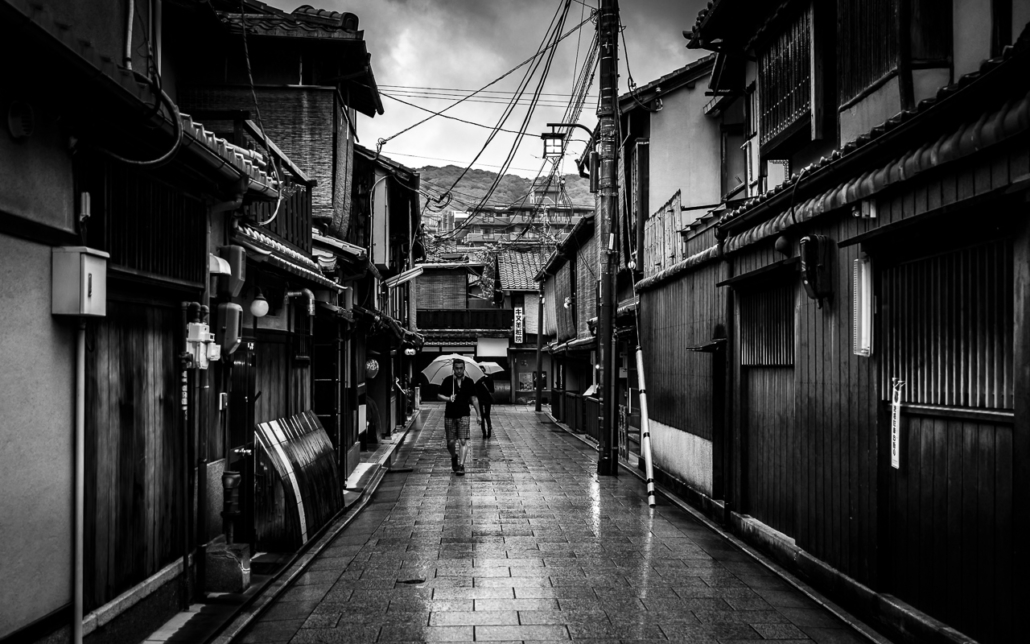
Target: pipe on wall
column 128, row 34
column 80, row 480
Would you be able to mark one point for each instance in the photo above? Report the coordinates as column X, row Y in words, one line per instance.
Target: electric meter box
column 79, row 281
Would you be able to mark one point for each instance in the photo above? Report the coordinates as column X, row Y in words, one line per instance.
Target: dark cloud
column 468, row 43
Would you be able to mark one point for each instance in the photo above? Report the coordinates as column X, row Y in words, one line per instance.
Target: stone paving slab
column 531, row 545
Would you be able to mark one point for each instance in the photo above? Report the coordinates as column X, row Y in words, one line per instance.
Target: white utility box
column 79, row 281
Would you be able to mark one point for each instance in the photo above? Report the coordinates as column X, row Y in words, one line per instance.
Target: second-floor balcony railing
column 430, row 319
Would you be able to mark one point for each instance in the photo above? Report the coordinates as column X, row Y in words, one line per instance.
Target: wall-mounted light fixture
column 371, row 367
column 259, row 305
column 862, row 308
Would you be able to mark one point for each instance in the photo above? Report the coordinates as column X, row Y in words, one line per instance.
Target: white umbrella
column 441, row 367
column 490, row 368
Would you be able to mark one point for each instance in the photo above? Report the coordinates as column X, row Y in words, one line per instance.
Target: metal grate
column 948, row 327
column 767, row 326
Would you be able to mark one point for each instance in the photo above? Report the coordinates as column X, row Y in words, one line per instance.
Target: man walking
column 457, row 391
column 485, row 393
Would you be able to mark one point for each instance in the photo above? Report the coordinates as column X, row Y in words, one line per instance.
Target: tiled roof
column 518, row 268
column 668, row 82
column 1002, row 123
column 285, row 257
column 285, row 25
column 197, row 141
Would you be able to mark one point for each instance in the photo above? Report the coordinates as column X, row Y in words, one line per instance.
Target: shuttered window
column 767, row 325
column 442, row 290
column 948, row 328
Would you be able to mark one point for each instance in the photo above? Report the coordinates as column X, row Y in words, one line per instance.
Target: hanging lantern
column 371, row 367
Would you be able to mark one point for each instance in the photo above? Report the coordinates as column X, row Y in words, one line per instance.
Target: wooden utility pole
column 607, row 114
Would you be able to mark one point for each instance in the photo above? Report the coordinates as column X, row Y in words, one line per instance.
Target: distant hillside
column 512, row 188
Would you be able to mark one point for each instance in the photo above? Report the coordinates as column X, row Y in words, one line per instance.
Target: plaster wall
column 926, row 82
column 40, row 169
column 1020, row 17
column 971, row 35
column 685, row 456
column 37, row 385
column 685, row 151
column 871, row 111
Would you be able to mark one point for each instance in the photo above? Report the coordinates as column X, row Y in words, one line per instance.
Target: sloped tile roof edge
column 1010, row 59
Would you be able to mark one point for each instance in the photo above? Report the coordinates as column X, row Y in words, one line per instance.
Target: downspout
column 128, row 35
column 305, row 292
column 539, row 346
column 157, row 39
column 184, row 419
column 80, row 462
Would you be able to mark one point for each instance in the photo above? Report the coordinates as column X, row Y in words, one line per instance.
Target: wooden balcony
column 429, row 319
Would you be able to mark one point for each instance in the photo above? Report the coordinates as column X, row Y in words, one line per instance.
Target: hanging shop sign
column 519, row 325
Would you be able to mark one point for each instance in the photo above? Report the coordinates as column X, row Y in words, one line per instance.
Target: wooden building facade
column 890, row 268
column 201, row 224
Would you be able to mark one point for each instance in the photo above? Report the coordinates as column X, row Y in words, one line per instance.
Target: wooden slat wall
column 284, row 390
column 133, row 449
column 771, row 488
column 950, row 520
column 687, row 312
column 836, row 408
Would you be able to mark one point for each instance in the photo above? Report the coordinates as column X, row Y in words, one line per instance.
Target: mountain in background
column 511, row 189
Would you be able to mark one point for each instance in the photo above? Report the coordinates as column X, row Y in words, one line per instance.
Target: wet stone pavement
column 531, row 545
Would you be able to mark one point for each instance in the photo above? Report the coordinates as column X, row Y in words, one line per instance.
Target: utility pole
column 607, row 115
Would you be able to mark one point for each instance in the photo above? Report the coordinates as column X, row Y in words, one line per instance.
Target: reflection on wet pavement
column 531, row 545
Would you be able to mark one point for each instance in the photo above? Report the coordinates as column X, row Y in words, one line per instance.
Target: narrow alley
column 531, row 545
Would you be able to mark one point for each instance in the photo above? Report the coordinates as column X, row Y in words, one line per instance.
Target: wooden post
column 607, row 113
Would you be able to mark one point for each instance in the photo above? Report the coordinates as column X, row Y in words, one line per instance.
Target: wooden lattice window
column 948, row 328
column 150, row 228
column 767, row 325
column 785, row 77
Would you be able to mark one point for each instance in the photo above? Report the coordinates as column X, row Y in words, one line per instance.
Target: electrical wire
column 546, row 45
column 257, row 110
column 631, row 84
column 452, row 118
column 160, row 99
column 561, row 17
column 535, row 56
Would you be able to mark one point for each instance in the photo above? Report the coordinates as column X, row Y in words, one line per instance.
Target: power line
column 464, row 91
column 535, row 56
column 452, row 118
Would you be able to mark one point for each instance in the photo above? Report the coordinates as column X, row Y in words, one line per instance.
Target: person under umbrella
column 485, row 391
column 457, row 390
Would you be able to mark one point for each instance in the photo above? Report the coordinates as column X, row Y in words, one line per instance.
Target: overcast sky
column 465, row 44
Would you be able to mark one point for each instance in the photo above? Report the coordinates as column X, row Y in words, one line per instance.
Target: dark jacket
column 460, row 407
column 485, row 390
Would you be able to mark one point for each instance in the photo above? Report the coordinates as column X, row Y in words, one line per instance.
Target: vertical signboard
column 896, row 423
column 519, row 325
